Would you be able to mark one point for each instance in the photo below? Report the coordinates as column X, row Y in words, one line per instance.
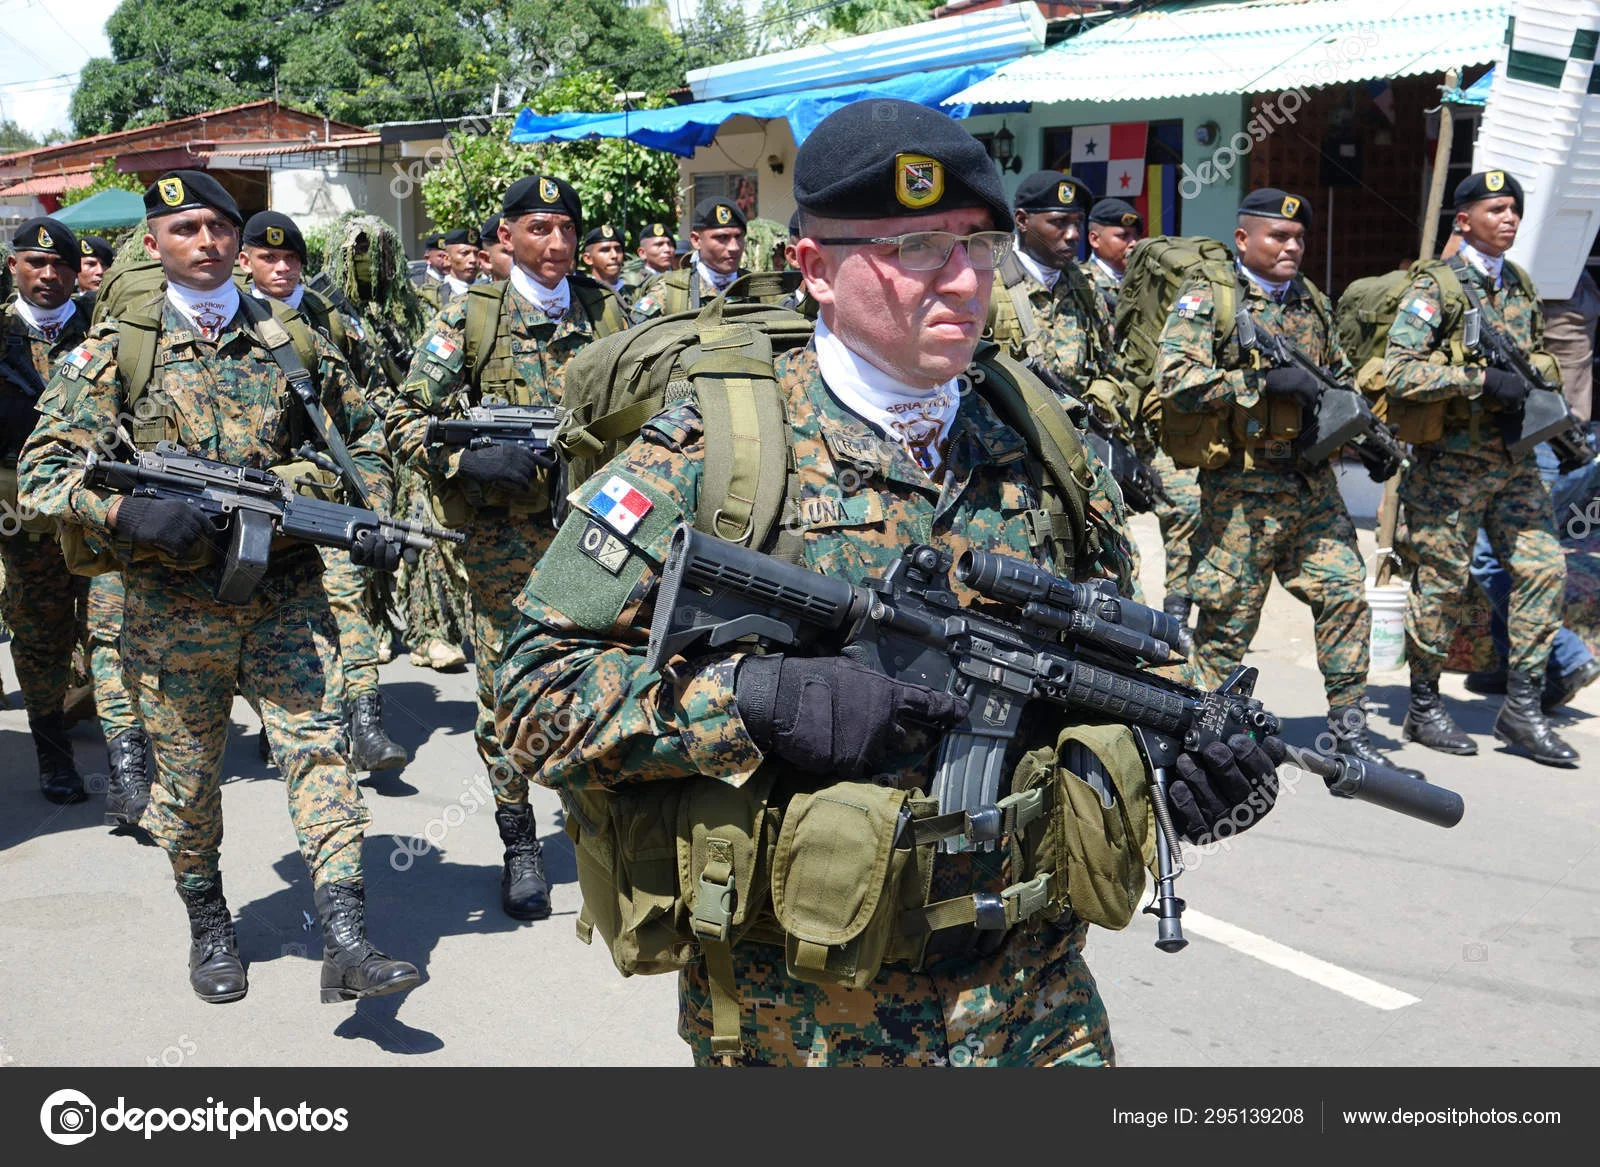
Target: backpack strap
column 136, row 349
column 484, row 302
column 694, row 287
column 600, row 304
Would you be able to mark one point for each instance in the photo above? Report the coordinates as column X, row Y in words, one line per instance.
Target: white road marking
column 1292, row 960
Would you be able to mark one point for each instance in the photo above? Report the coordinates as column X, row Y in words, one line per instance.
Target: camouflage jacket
column 227, row 400
column 18, row 403
column 576, row 656
column 1105, row 287
column 1411, row 373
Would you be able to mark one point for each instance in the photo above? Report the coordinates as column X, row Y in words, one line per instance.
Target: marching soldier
column 1263, row 513
column 1458, row 412
column 494, row 257
column 655, row 255
column 461, row 247
column 220, row 391
column 717, row 237
column 508, row 342
column 436, row 261
column 97, row 256
column 602, row 255
column 1114, row 229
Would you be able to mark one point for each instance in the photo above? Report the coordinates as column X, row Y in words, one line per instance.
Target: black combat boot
column 1489, row 682
column 264, row 747
column 215, row 971
column 351, row 967
column 59, row 779
column 1348, row 724
column 370, row 747
column 1522, row 725
column 1178, row 607
column 1427, row 721
column 128, row 792
column 524, row 891
column 1560, row 688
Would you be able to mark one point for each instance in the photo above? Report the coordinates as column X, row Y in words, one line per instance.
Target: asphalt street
column 1334, row 933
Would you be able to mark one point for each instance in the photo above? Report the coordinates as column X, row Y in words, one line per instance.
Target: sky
column 43, row 44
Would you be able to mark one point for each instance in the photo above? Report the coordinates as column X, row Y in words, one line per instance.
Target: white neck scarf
column 1045, row 275
column 208, row 312
column 920, row 419
column 437, row 274
column 293, row 299
column 1276, row 291
column 552, row 302
column 459, row 287
column 48, row 322
column 715, row 278
column 1492, row 266
column 1108, row 269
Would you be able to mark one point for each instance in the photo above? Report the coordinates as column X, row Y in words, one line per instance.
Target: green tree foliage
column 105, row 178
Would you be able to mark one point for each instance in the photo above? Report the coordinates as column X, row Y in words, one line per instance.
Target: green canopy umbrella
column 109, row 208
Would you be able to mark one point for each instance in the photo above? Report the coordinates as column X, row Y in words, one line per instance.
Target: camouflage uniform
column 38, row 598
column 679, row 290
column 1262, row 516
column 505, row 535
column 1104, row 286
column 578, row 652
column 186, row 654
column 1464, row 481
column 112, row 700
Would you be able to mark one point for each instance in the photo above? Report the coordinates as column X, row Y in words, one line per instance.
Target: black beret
column 605, row 233
column 538, row 193
column 94, row 245
column 186, row 190
column 47, row 234
column 886, row 158
column 709, row 214
column 1488, row 184
column 657, row 231
column 433, row 242
column 1052, row 190
column 272, row 229
column 489, row 233
column 1115, row 213
column 461, row 235
column 1271, row 203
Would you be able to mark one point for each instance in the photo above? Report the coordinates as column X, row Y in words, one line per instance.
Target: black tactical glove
column 501, row 464
column 830, row 715
column 1225, row 788
column 1295, row 383
column 1507, row 390
column 170, row 524
column 1380, row 466
column 374, row 551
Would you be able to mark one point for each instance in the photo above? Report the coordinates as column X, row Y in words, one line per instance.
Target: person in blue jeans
column 1571, row 666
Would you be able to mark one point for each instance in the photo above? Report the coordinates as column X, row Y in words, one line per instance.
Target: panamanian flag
column 1153, row 179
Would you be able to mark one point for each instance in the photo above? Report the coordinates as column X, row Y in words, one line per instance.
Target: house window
column 738, row 187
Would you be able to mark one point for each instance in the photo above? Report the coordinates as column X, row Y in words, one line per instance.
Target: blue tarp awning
column 683, row 128
column 1475, row 94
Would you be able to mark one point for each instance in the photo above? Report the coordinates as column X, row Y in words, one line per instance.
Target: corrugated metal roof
column 1262, row 46
column 273, row 149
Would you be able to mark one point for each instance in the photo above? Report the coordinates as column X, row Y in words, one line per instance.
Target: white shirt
column 716, row 279
column 293, row 299
column 1045, row 275
column 208, row 312
column 47, row 322
column 436, row 274
column 1274, row 290
column 457, row 287
column 920, row 419
column 552, row 302
column 1490, row 265
column 1107, row 268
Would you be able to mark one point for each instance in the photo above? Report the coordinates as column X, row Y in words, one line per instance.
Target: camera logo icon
column 68, row 1117
column 1474, row 953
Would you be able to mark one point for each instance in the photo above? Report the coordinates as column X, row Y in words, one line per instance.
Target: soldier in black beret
column 1271, row 203
column 274, row 231
column 1114, row 228
column 95, row 255
column 1489, row 184
column 430, row 271
column 189, row 190
column 654, row 254
column 461, row 249
column 716, row 240
column 200, row 259
column 602, row 255
column 494, row 256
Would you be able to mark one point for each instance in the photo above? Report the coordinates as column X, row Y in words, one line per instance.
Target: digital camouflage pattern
column 1452, row 487
column 346, row 585
column 1269, row 518
column 503, row 543
column 1104, row 284
column 433, row 590
column 185, row 654
column 576, row 659
column 112, row 700
column 37, row 600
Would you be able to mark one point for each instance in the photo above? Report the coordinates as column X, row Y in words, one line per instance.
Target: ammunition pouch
column 1195, row 440
column 456, row 501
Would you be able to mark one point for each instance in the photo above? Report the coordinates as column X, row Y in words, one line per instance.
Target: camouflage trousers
column 185, row 656
column 1255, row 524
column 433, row 591
column 112, row 701
column 1447, row 497
column 1179, row 518
column 1031, row 1003
column 346, row 586
column 499, row 556
column 38, row 604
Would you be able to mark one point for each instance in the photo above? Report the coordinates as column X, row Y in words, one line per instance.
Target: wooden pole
column 1389, row 509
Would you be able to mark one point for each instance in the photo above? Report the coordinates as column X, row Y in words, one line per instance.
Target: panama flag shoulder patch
column 1423, row 311
column 620, row 505
column 79, row 357
column 1188, row 305
column 441, row 348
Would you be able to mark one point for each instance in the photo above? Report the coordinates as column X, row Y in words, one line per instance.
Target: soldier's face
column 1113, row 244
column 44, row 279
column 463, row 261
column 1490, row 225
column 1272, row 248
column 720, row 248
column 543, row 244
column 495, row 259
column 920, row 327
column 657, row 253
column 1051, row 236
column 437, row 259
column 604, row 259
column 90, row 273
column 275, row 270
column 196, row 248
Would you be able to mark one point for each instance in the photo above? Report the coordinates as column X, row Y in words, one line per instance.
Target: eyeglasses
column 930, row 250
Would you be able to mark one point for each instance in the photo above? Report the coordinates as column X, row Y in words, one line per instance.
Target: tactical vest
column 22, row 388
column 1013, row 322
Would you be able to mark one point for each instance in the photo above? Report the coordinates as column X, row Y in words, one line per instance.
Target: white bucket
column 1388, row 605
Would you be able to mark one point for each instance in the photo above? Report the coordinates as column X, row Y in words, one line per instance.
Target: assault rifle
column 393, row 351
column 1544, row 416
column 1076, row 647
column 1140, row 484
column 1342, row 416
column 495, row 423
column 251, row 508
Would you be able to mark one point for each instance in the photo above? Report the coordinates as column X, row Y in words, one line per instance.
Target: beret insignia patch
column 44, row 238
column 171, row 190
column 1064, row 193
column 1495, row 180
column 918, row 180
column 548, row 191
column 274, row 236
column 1291, row 207
column 724, row 216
